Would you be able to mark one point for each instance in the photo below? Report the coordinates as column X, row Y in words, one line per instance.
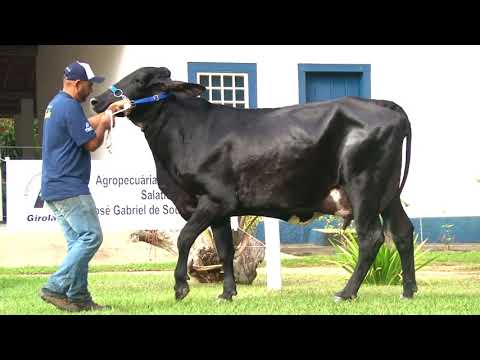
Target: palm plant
column 387, row 267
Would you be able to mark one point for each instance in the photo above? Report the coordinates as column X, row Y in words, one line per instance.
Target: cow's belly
column 295, row 220
column 335, row 203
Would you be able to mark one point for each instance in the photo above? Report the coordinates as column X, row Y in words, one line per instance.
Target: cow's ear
column 155, row 81
column 157, row 77
column 187, row 88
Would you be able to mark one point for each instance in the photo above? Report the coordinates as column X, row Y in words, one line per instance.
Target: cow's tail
column 407, row 153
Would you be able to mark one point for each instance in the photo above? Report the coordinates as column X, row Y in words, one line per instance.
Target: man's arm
column 95, row 120
column 101, row 123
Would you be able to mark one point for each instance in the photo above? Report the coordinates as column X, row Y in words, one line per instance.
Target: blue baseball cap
column 81, row 71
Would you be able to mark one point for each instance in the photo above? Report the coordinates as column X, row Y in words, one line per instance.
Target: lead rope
column 108, row 136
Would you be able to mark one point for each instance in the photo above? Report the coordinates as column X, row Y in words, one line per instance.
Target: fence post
column 272, row 253
column 1, row 186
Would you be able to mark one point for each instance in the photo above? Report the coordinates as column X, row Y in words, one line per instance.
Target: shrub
column 387, row 267
column 7, row 138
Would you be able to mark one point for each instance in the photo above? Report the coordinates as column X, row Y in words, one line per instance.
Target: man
column 68, row 139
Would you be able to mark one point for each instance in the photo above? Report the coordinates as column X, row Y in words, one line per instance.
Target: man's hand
column 101, row 123
column 119, row 105
column 105, row 120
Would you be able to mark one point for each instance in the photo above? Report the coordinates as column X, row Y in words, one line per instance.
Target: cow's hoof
column 409, row 293
column 181, row 292
column 407, row 296
column 340, row 296
column 227, row 295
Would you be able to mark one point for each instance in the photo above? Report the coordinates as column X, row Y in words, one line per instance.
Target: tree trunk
column 204, row 263
column 249, row 253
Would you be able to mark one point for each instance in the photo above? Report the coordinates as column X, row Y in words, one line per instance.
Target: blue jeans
column 79, row 221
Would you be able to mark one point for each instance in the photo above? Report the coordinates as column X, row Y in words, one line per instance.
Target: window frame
column 248, row 69
column 222, row 88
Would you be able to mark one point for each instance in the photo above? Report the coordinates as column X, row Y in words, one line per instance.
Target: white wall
column 436, row 85
column 52, row 60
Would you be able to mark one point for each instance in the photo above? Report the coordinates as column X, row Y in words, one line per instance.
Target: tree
column 204, row 263
column 205, row 266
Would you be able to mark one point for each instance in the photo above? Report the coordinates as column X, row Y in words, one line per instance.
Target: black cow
column 338, row 157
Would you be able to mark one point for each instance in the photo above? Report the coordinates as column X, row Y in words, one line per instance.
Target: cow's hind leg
column 201, row 219
column 397, row 223
column 222, row 233
column 370, row 236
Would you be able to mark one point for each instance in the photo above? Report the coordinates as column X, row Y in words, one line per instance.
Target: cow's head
column 144, row 82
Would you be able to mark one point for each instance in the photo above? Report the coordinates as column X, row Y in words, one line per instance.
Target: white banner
column 126, row 195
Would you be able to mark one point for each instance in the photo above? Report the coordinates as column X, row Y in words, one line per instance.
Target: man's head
column 78, row 80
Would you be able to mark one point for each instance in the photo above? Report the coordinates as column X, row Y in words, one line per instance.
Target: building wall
column 52, row 60
column 436, row 86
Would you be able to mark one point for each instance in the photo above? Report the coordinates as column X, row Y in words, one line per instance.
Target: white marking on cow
column 335, row 195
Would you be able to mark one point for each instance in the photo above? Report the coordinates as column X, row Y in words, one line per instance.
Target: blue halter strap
column 148, row 100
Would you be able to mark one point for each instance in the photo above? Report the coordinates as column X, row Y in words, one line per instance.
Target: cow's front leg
column 222, row 233
column 205, row 212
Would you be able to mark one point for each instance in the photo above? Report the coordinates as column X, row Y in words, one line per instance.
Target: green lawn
column 35, row 270
column 457, row 257
column 470, row 259
column 467, row 258
column 451, row 285
column 305, row 291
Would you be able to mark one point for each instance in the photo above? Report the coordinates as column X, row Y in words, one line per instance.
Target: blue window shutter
column 328, row 81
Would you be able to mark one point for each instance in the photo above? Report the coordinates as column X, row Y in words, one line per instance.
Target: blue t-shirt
column 66, row 163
